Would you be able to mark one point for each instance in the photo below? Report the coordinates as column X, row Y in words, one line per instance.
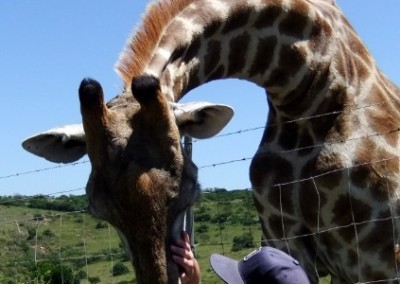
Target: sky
column 48, row 47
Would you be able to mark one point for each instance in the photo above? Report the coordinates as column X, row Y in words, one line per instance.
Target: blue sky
column 47, row 47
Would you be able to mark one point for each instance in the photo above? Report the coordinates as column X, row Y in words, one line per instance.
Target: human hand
column 182, row 254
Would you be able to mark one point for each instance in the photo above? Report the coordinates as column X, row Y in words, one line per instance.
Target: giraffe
column 325, row 177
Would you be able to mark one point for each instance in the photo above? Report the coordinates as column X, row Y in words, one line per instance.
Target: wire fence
column 75, row 240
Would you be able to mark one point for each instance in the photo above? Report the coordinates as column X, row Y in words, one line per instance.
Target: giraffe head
column 141, row 180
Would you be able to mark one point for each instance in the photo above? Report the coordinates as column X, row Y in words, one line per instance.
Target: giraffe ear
column 201, row 119
column 59, row 145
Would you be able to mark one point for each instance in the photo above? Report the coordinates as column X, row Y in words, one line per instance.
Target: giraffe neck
column 292, row 48
column 313, row 66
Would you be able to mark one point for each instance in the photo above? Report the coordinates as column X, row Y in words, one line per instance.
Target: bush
column 248, row 220
column 101, row 225
column 94, row 280
column 38, row 217
column 242, row 242
column 119, row 269
column 78, row 219
column 127, row 282
column 202, row 229
column 220, row 218
column 31, row 234
column 51, row 271
column 80, row 275
column 203, row 238
column 202, row 217
column 48, row 233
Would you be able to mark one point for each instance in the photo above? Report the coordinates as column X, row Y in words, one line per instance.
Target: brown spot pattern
column 306, row 143
column 264, row 55
column 291, row 59
column 381, row 123
column 270, row 166
column 238, row 58
column 296, row 21
column 309, row 203
column 288, row 136
column 213, row 50
column 218, row 73
column 267, row 17
column 329, row 181
column 275, row 225
column 358, row 48
column 211, row 29
column 237, row 20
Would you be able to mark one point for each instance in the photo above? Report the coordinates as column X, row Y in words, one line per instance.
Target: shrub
column 202, row 217
column 80, row 275
column 119, row 269
column 48, row 233
column 38, row 217
column 31, row 234
column 127, row 282
column 51, row 271
column 203, row 238
column 248, row 220
column 94, row 280
column 101, row 225
column 202, row 228
column 242, row 242
column 78, row 219
column 220, row 218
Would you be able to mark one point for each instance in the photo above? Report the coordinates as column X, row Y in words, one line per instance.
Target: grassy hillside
column 39, row 243
column 33, row 239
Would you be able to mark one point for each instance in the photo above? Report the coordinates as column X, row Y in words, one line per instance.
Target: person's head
column 264, row 265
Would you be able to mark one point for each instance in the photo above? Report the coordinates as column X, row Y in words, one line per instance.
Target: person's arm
column 182, row 254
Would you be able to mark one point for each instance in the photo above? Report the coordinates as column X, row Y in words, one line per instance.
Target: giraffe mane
column 141, row 43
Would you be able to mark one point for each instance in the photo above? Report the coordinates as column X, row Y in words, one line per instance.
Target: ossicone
column 145, row 88
column 90, row 92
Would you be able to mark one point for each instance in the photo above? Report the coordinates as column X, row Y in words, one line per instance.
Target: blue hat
column 264, row 265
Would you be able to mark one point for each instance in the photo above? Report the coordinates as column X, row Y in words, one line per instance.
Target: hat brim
column 226, row 268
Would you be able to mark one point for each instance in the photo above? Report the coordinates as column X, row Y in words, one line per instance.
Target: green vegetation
column 43, row 245
column 52, row 240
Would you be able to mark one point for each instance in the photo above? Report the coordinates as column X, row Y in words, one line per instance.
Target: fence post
column 189, row 218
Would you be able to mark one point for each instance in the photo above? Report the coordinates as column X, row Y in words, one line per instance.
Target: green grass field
column 226, row 223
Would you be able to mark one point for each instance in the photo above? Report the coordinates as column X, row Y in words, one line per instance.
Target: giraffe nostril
column 90, row 92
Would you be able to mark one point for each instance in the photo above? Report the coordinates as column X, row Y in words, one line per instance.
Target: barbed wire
column 239, row 132
column 36, row 171
column 44, row 169
column 257, row 155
